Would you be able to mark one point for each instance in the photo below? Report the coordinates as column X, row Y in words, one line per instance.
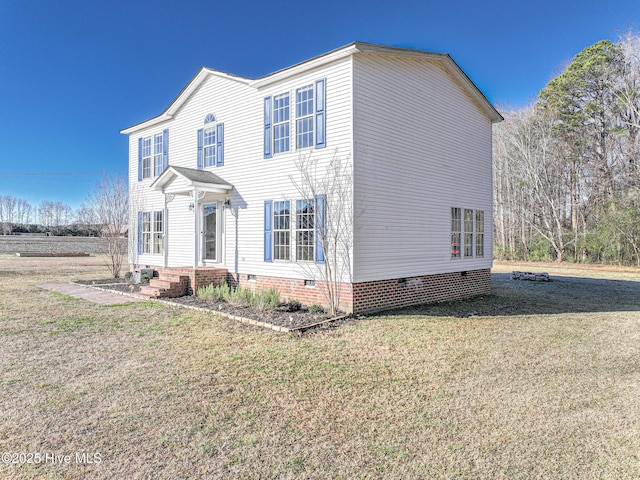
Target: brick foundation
column 363, row 297
column 387, row 294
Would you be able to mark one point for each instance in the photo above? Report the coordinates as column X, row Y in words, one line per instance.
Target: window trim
column 151, row 231
column 281, row 249
column 467, row 230
column 298, row 251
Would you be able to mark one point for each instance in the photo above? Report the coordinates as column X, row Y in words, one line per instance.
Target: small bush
column 316, row 309
column 214, row 293
column 292, row 306
column 130, row 278
column 265, row 299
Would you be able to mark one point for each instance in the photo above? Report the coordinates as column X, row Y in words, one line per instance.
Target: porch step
column 167, row 285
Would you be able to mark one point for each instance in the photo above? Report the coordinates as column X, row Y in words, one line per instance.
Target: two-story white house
column 233, row 180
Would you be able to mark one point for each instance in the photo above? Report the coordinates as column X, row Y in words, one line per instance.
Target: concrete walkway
column 90, row 294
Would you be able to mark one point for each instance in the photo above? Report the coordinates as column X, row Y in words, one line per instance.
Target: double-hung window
column 467, row 231
column 304, row 117
column 456, row 229
column 157, row 155
column 294, row 235
column 479, row 233
column 308, row 125
column 209, row 145
column 281, row 124
column 281, row 230
column 305, row 230
column 146, row 232
column 146, row 157
column 153, row 155
column 151, row 231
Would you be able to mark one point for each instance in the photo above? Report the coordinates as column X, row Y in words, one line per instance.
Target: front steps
column 167, row 285
column 180, row 281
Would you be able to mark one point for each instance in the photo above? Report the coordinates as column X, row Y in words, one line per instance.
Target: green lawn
column 537, row 380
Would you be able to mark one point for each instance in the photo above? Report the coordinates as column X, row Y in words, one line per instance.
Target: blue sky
column 73, row 73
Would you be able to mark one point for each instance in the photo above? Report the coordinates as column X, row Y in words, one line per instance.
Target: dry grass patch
column 540, row 382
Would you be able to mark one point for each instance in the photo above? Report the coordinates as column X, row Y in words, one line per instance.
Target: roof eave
column 196, row 81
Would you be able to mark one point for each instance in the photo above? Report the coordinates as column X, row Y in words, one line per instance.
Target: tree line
column 57, row 218
column 567, row 166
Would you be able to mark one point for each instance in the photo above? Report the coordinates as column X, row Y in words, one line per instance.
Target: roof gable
column 352, row 49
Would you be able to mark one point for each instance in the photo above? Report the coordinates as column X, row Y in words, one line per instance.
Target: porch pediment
column 183, row 181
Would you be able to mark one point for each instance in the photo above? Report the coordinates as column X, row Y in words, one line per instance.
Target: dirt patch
column 281, row 317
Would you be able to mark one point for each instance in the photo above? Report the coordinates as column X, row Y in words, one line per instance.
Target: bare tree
column 330, row 183
column 109, row 203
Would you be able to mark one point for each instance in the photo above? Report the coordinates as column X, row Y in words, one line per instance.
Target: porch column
column 196, row 209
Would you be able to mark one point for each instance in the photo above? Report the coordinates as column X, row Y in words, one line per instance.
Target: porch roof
column 183, row 181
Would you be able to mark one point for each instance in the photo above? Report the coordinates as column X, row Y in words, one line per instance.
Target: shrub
column 265, row 299
column 292, row 306
column 214, row 293
column 316, row 309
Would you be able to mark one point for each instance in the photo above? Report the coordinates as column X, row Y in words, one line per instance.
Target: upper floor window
column 309, row 115
column 153, row 155
column 281, row 126
column 304, row 117
column 146, row 157
column 210, row 144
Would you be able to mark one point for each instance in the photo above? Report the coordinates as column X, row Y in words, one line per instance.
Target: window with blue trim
column 153, row 155
column 281, row 125
column 157, row 155
column 305, row 230
column 146, row 157
column 309, row 116
column 281, row 230
column 304, row 117
column 209, row 145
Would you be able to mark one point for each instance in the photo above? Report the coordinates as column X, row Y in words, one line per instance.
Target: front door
column 210, row 231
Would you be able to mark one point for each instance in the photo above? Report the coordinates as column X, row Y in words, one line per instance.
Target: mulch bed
column 298, row 320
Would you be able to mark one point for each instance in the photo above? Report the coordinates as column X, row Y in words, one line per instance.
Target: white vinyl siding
column 423, row 145
column 254, row 178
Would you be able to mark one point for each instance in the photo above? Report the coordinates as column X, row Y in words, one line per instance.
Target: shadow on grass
column 516, row 297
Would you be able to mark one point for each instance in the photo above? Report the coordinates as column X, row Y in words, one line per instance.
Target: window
column 153, row 155
column 209, row 145
column 467, row 225
column 146, row 232
column 146, row 157
column 281, row 231
column 294, row 235
column 456, row 229
column 468, row 232
column 479, row 233
column 151, row 231
column 304, row 117
column 310, row 119
column 305, row 230
column 157, row 232
column 281, row 125
column 157, row 155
